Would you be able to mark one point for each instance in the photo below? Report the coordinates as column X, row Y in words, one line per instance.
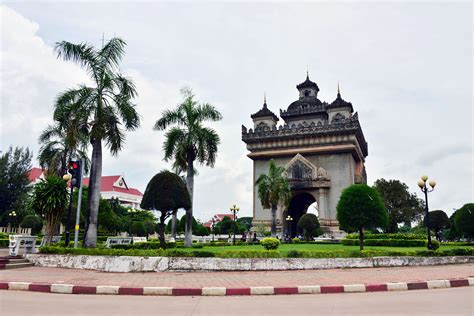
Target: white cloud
column 405, row 67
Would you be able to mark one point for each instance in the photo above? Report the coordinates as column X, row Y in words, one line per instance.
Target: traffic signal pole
column 78, row 212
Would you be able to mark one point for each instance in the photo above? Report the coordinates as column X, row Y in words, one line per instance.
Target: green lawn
column 284, row 248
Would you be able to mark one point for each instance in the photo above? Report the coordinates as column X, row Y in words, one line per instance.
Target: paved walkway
column 238, row 279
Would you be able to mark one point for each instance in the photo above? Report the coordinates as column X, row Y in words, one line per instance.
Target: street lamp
column 66, row 178
column 425, row 190
column 213, row 219
column 131, row 211
column 234, row 209
column 289, row 219
column 12, row 215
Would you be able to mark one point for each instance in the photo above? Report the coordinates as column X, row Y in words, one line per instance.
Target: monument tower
column 321, row 146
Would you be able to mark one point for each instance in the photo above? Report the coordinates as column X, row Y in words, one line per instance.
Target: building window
column 306, row 93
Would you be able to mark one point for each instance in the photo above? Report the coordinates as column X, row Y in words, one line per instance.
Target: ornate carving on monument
column 322, row 173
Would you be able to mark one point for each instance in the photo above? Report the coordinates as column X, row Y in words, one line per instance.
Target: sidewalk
column 238, row 279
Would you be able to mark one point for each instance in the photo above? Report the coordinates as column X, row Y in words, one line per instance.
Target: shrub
column 4, row 243
column 250, row 254
column 270, row 243
column 434, row 244
column 198, row 246
column 296, row 240
column 34, row 222
column 171, row 245
column 139, row 229
column 388, row 236
column 203, row 254
column 310, row 224
column 386, row 242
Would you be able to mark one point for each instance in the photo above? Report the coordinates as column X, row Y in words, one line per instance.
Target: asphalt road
column 452, row 301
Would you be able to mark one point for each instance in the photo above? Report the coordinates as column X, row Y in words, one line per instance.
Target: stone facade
column 322, row 147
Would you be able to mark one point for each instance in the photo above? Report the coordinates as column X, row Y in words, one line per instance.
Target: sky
column 405, row 66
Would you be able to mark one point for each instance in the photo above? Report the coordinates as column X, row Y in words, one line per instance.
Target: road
column 452, row 301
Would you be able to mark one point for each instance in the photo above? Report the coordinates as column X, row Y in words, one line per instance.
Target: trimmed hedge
column 466, row 251
column 4, row 243
column 386, row 242
column 397, row 236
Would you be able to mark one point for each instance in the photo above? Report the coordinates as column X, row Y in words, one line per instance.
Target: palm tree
column 273, row 189
column 59, row 144
column 188, row 140
column 106, row 109
column 49, row 200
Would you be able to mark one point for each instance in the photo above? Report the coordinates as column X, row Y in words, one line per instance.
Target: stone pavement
column 238, row 279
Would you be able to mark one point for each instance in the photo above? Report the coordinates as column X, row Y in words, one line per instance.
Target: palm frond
column 168, row 118
column 84, row 54
column 111, row 54
column 207, row 112
column 175, row 142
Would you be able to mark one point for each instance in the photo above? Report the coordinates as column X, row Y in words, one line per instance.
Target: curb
column 222, row 291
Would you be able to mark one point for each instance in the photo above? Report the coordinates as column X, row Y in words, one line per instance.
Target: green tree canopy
column 273, row 189
column 438, row 221
column 105, row 109
column 361, row 207
column 402, row 206
column 34, row 222
column 166, row 192
column 309, row 223
column 464, row 220
column 15, row 165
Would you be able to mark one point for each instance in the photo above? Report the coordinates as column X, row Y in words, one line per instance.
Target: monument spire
column 338, row 90
column 264, row 99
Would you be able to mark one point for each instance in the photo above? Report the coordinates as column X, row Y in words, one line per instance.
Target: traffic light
column 75, row 170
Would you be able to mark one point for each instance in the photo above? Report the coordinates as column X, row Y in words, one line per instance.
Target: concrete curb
column 222, row 291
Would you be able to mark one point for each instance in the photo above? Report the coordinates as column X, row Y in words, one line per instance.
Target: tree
column 225, row 226
column 361, row 207
column 166, row 192
column 188, row 140
column 273, row 189
column 464, row 220
column 105, row 109
column 402, row 206
column 61, row 143
column 15, row 165
column 438, row 221
column 34, row 222
column 310, row 225
column 139, row 229
column 107, row 219
column 245, row 222
column 49, row 201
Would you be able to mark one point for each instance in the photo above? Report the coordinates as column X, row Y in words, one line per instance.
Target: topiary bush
column 139, row 229
column 296, row 240
column 34, row 222
column 386, row 242
column 270, row 243
column 310, row 225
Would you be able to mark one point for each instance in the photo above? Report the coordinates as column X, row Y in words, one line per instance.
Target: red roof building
column 110, row 187
column 217, row 219
column 116, row 187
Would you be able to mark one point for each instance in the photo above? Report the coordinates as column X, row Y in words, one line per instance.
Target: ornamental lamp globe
column 421, row 183
column 67, row 177
column 432, row 183
column 424, row 178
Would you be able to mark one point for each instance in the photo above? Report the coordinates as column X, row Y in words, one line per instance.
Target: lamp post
column 66, row 178
column 425, row 190
column 234, row 209
column 12, row 216
column 289, row 219
column 131, row 211
column 213, row 219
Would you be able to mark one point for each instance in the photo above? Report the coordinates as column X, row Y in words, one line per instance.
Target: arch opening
column 298, row 206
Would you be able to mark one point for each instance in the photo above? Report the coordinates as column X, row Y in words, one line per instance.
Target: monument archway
column 298, row 206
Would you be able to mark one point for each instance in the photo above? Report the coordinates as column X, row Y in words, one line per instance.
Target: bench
column 54, row 240
column 139, row 239
column 118, row 241
column 18, row 242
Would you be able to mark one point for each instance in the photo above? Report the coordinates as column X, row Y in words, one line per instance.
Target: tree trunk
column 90, row 240
column 162, row 232
column 274, row 221
column 361, row 238
column 173, row 225
column 188, row 232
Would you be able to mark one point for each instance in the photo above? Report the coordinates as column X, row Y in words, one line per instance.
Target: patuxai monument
column 322, row 147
